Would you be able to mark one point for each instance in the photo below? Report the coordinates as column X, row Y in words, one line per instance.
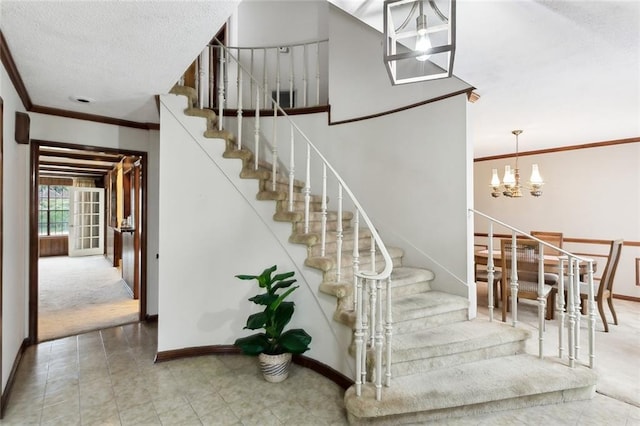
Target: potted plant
column 274, row 346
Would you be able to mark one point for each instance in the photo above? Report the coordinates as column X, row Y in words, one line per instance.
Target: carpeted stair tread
column 326, row 263
column 430, row 303
column 189, row 92
column 453, row 338
column 488, row 385
column 407, row 275
column 280, row 195
column 200, row 112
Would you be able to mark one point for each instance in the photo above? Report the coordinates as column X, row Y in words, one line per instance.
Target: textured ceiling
column 566, row 72
column 118, row 53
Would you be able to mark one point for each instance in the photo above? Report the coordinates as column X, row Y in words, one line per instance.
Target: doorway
column 93, row 288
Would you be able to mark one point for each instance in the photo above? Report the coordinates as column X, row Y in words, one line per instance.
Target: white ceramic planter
column 275, row 368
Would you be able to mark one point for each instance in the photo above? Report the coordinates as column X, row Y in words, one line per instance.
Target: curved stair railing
column 568, row 313
column 370, row 287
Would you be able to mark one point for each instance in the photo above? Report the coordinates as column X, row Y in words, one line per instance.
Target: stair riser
column 316, row 226
column 416, row 418
column 407, row 289
column 298, row 206
column 426, row 360
column 347, row 271
column 429, row 321
column 347, row 246
column 281, row 187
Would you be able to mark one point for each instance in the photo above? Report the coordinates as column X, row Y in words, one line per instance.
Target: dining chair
column 605, row 286
column 482, row 275
column 550, row 237
column 527, row 257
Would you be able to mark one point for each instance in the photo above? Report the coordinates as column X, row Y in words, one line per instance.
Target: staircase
column 444, row 365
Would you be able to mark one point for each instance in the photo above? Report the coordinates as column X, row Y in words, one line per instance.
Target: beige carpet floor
column 81, row 294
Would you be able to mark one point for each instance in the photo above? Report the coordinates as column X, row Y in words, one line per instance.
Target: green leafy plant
column 275, row 316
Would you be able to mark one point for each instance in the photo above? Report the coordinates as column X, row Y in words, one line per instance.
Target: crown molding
column 560, row 149
column 14, row 75
column 18, row 83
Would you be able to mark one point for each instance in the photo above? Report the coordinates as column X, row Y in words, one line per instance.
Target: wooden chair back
column 609, row 273
column 550, row 237
column 527, row 258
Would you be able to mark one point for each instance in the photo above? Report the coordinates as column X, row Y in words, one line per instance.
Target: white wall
column 213, row 228
column 273, row 23
column 15, row 241
column 589, row 193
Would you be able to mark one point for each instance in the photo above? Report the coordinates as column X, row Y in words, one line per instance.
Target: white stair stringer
column 443, row 365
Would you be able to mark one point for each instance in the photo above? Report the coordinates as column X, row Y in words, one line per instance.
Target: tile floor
column 108, row 378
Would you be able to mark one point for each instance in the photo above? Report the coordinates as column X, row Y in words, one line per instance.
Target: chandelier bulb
column 423, row 42
column 535, row 179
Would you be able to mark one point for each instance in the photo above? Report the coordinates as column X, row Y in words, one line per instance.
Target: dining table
column 551, row 265
column 551, row 262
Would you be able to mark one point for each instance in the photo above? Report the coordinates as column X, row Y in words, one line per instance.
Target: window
column 53, row 210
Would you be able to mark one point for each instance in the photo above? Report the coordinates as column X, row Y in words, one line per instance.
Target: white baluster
column 278, row 72
column 372, row 252
column 239, row 113
column 514, row 280
column 256, row 135
column 221, row 88
column 388, row 327
column 490, row 271
column 578, row 307
column 226, row 62
column 291, row 78
column 379, row 342
column 265, row 80
column 541, row 301
column 292, row 168
column 304, row 76
column 359, row 337
column 274, row 151
column 373, row 297
column 339, row 236
column 572, row 314
column 196, row 81
column 307, row 191
column 365, row 328
column 210, row 89
column 560, row 311
column 592, row 315
column 251, row 87
column 317, row 73
column 356, row 252
column 323, row 219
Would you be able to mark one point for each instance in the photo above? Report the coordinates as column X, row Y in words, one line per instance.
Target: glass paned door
column 86, row 221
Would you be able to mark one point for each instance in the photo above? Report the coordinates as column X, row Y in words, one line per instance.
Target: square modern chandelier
column 420, row 39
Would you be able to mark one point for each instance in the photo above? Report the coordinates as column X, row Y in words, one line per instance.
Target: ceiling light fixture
column 81, row 99
column 424, row 51
column 511, row 186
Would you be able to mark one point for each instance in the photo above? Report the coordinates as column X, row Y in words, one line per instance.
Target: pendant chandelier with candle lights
column 510, row 185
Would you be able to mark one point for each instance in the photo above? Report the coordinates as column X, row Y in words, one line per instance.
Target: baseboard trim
column 151, row 318
column 162, row 356
column 324, row 370
column 304, row 361
column 624, row 297
column 6, row 395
